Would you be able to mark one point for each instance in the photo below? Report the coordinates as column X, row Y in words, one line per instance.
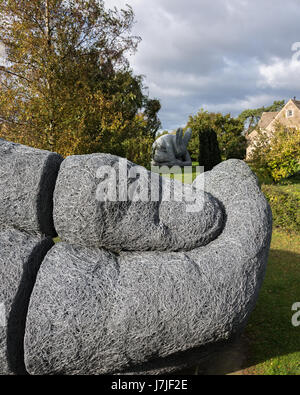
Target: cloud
column 225, row 55
column 280, row 74
column 221, row 55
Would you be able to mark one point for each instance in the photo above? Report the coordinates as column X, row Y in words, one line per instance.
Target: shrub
column 277, row 156
column 232, row 143
column 285, row 208
column 209, row 152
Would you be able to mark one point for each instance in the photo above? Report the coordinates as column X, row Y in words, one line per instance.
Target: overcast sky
column 221, row 55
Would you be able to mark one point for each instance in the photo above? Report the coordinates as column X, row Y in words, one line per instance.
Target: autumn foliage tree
column 66, row 84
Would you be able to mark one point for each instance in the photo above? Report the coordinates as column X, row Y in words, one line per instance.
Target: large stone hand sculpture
column 142, row 285
column 171, row 150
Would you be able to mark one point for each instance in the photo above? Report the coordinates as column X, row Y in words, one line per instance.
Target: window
column 289, row 113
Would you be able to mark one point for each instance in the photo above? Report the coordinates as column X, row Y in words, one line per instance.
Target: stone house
column 289, row 116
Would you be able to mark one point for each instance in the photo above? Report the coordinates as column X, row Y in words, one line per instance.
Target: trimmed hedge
column 285, row 208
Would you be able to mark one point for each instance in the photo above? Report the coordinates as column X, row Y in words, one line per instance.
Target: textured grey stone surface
column 20, row 257
column 96, row 312
column 171, row 149
column 27, row 180
column 83, row 217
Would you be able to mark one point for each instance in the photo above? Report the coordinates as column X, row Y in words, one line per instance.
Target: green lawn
column 185, row 177
column 274, row 344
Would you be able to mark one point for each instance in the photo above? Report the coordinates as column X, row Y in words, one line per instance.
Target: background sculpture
column 171, row 150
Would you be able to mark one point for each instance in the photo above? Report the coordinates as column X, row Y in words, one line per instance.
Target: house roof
column 297, row 103
column 267, row 118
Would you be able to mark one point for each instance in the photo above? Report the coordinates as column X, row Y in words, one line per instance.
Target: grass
column 187, row 176
column 270, row 344
column 273, row 342
column 290, row 185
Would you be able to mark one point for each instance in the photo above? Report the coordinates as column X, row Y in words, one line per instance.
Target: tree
column 231, row 140
column 138, row 147
column 152, row 107
column 209, row 152
column 201, row 121
column 277, row 156
column 250, row 118
column 232, row 143
column 66, row 85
